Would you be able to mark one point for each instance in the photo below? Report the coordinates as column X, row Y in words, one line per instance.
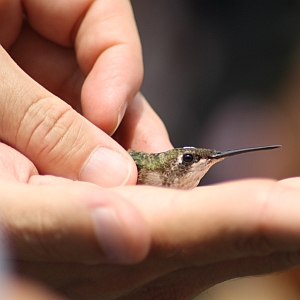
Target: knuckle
column 47, row 127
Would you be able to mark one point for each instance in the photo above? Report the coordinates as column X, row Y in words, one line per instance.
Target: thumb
column 57, row 139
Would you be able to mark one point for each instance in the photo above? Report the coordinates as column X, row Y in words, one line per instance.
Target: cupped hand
column 140, row 242
column 88, row 54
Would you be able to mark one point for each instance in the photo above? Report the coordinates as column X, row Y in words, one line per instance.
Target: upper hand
column 85, row 52
column 88, row 54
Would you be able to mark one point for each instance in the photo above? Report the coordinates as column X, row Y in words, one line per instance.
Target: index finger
column 108, row 50
column 108, row 47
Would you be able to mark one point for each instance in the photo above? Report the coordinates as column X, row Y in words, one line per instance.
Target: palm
column 194, row 243
column 175, row 268
column 91, row 281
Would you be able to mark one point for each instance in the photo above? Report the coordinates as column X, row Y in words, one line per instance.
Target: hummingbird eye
column 188, row 158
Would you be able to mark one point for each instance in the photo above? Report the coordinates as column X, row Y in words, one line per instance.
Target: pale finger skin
column 101, row 226
column 20, row 288
column 142, row 129
column 104, row 52
column 117, row 73
column 58, row 140
column 209, row 234
column 37, row 220
column 40, row 125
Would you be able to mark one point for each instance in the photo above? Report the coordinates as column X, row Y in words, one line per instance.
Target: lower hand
column 163, row 243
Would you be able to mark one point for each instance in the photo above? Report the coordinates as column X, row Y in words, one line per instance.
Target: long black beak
column 223, row 154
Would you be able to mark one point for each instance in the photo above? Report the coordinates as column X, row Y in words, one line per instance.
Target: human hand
column 164, row 244
column 17, row 288
column 88, row 53
column 85, row 52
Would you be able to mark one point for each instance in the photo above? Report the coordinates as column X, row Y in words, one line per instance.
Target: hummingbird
column 181, row 168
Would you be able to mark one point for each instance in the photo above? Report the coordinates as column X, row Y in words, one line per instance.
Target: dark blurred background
column 213, row 72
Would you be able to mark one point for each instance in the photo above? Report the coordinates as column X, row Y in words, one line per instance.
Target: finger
column 15, row 166
column 20, row 288
column 11, row 17
column 53, row 136
column 53, row 66
column 186, row 283
column 99, row 224
column 142, row 129
column 108, row 49
column 202, row 278
column 226, row 221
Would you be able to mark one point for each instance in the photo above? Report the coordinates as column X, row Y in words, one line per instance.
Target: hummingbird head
column 181, row 168
column 189, row 165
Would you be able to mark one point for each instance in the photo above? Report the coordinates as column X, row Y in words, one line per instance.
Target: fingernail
column 120, row 116
column 110, row 235
column 106, row 168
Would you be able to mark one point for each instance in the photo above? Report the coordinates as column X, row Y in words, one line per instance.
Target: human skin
column 58, row 140
column 20, row 288
column 82, row 53
column 76, row 57
column 90, row 242
column 190, row 240
column 83, row 44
